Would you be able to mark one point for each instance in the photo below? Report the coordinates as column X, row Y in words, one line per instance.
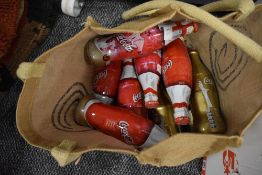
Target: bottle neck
column 128, row 69
column 197, row 64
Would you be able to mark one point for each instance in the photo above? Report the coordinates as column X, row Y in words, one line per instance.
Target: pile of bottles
column 149, row 86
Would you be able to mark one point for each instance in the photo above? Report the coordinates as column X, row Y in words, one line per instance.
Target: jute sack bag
column 56, row 81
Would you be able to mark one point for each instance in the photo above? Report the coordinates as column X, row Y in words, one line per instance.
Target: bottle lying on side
column 133, row 45
column 119, row 123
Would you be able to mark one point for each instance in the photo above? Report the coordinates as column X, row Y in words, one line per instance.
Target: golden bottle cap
column 93, row 55
column 80, row 110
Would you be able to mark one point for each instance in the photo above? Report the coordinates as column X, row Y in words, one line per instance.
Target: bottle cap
column 81, row 109
column 93, row 55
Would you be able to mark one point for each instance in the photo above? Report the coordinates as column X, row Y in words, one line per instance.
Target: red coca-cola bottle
column 120, row 123
column 177, row 75
column 129, row 91
column 173, row 30
column 106, row 82
column 148, row 69
column 134, row 45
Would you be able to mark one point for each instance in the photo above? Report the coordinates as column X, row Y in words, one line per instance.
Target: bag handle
column 242, row 7
column 63, row 152
column 246, row 44
column 28, row 70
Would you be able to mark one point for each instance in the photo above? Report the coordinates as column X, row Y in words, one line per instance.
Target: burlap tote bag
column 56, row 81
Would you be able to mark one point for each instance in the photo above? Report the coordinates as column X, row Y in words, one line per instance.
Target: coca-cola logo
column 137, row 97
column 124, row 132
column 126, row 42
column 100, row 75
column 168, row 65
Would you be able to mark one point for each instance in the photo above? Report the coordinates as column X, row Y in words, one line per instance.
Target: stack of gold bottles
column 148, row 86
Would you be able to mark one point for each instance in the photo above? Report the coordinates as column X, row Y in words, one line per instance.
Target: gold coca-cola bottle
column 163, row 114
column 204, row 99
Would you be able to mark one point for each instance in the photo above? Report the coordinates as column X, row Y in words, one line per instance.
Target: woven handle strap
column 63, row 152
column 28, row 70
column 246, row 44
column 242, row 7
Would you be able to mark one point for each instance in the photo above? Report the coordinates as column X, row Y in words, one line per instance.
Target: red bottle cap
column 120, row 123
